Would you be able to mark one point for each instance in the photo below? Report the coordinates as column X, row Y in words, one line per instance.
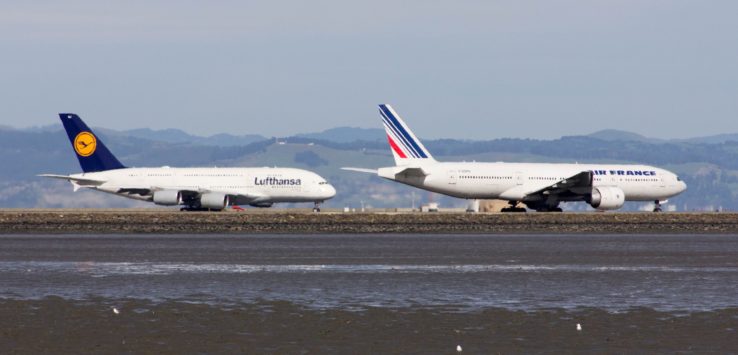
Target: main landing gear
column 657, row 206
column 554, row 209
column 513, row 207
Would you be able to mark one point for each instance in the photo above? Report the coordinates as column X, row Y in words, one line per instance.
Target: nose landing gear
column 657, row 206
column 316, row 207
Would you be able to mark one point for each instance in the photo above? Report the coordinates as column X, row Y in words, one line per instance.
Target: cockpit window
column 679, row 179
column 323, row 183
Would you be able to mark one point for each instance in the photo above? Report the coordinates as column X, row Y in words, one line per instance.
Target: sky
column 451, row 69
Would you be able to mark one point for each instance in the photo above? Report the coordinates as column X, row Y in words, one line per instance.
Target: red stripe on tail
column 395, row 148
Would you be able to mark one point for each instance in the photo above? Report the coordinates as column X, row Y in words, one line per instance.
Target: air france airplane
column 541, row 187
column 191, row 188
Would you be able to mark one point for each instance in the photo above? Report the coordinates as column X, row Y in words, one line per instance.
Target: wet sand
column 291, row 221
column 391, row 293
column 55, row 325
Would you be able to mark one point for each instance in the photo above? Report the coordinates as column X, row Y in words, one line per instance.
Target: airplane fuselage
column 511, row 181
column 246, row 185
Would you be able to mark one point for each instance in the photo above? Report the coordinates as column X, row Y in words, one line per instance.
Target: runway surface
column 469, row 286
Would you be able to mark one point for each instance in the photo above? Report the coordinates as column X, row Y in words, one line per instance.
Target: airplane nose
column 682, row 186
column 328, row 191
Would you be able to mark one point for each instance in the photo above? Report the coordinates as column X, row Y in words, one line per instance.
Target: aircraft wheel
column 513, row 209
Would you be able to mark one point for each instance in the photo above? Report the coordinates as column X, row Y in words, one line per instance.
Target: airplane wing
column 238, row 197
column 135, row 191
column 578, row 184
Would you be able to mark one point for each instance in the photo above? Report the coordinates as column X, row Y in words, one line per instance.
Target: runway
column 450, row 288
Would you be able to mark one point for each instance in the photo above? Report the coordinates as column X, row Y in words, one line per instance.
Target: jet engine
column 214, row 201
column 607, row 198
column 168, row 197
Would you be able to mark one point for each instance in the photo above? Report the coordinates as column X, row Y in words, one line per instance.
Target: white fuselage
column 512, row 181
column 247, row 185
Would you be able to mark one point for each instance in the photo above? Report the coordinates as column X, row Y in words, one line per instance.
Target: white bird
column 116, row 311
column 579, row 327
column 458, row 348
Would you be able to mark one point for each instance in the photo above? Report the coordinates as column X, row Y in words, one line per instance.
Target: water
column 609, row 272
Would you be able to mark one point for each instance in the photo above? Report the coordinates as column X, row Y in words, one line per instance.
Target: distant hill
column 170, row 135
column 347, row 134
column 178, row 136
column 344, row 135
column 47, row 128
column 613, row 135
column 716, row 139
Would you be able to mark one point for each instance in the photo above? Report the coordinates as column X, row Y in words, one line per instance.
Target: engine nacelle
column 167, row 197
column 607, row 198
column 214, row 201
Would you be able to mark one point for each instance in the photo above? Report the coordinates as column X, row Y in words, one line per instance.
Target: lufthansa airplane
column 541, row 187
column 191, row 188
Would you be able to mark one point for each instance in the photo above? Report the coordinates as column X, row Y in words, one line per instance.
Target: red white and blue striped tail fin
column 406, row 147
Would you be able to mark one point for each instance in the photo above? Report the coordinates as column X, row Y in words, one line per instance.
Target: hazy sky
column 460, row 69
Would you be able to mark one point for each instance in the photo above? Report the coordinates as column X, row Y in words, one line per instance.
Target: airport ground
column 157, row 220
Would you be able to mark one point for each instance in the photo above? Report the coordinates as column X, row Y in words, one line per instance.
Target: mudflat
column 55, row 325
column 368, row 293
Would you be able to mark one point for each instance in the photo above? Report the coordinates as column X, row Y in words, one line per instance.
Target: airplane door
column 452, row 177
column 662, row 183
column 519, row 178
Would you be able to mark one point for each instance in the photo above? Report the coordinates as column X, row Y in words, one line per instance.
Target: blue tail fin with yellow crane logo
column 92, row 154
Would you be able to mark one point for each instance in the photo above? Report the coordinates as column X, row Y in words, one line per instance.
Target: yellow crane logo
column 85, row 144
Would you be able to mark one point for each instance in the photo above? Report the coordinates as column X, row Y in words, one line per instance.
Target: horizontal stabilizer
column 408, row 172
column 403, row 173
column 361, row 170
column 76, row 180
